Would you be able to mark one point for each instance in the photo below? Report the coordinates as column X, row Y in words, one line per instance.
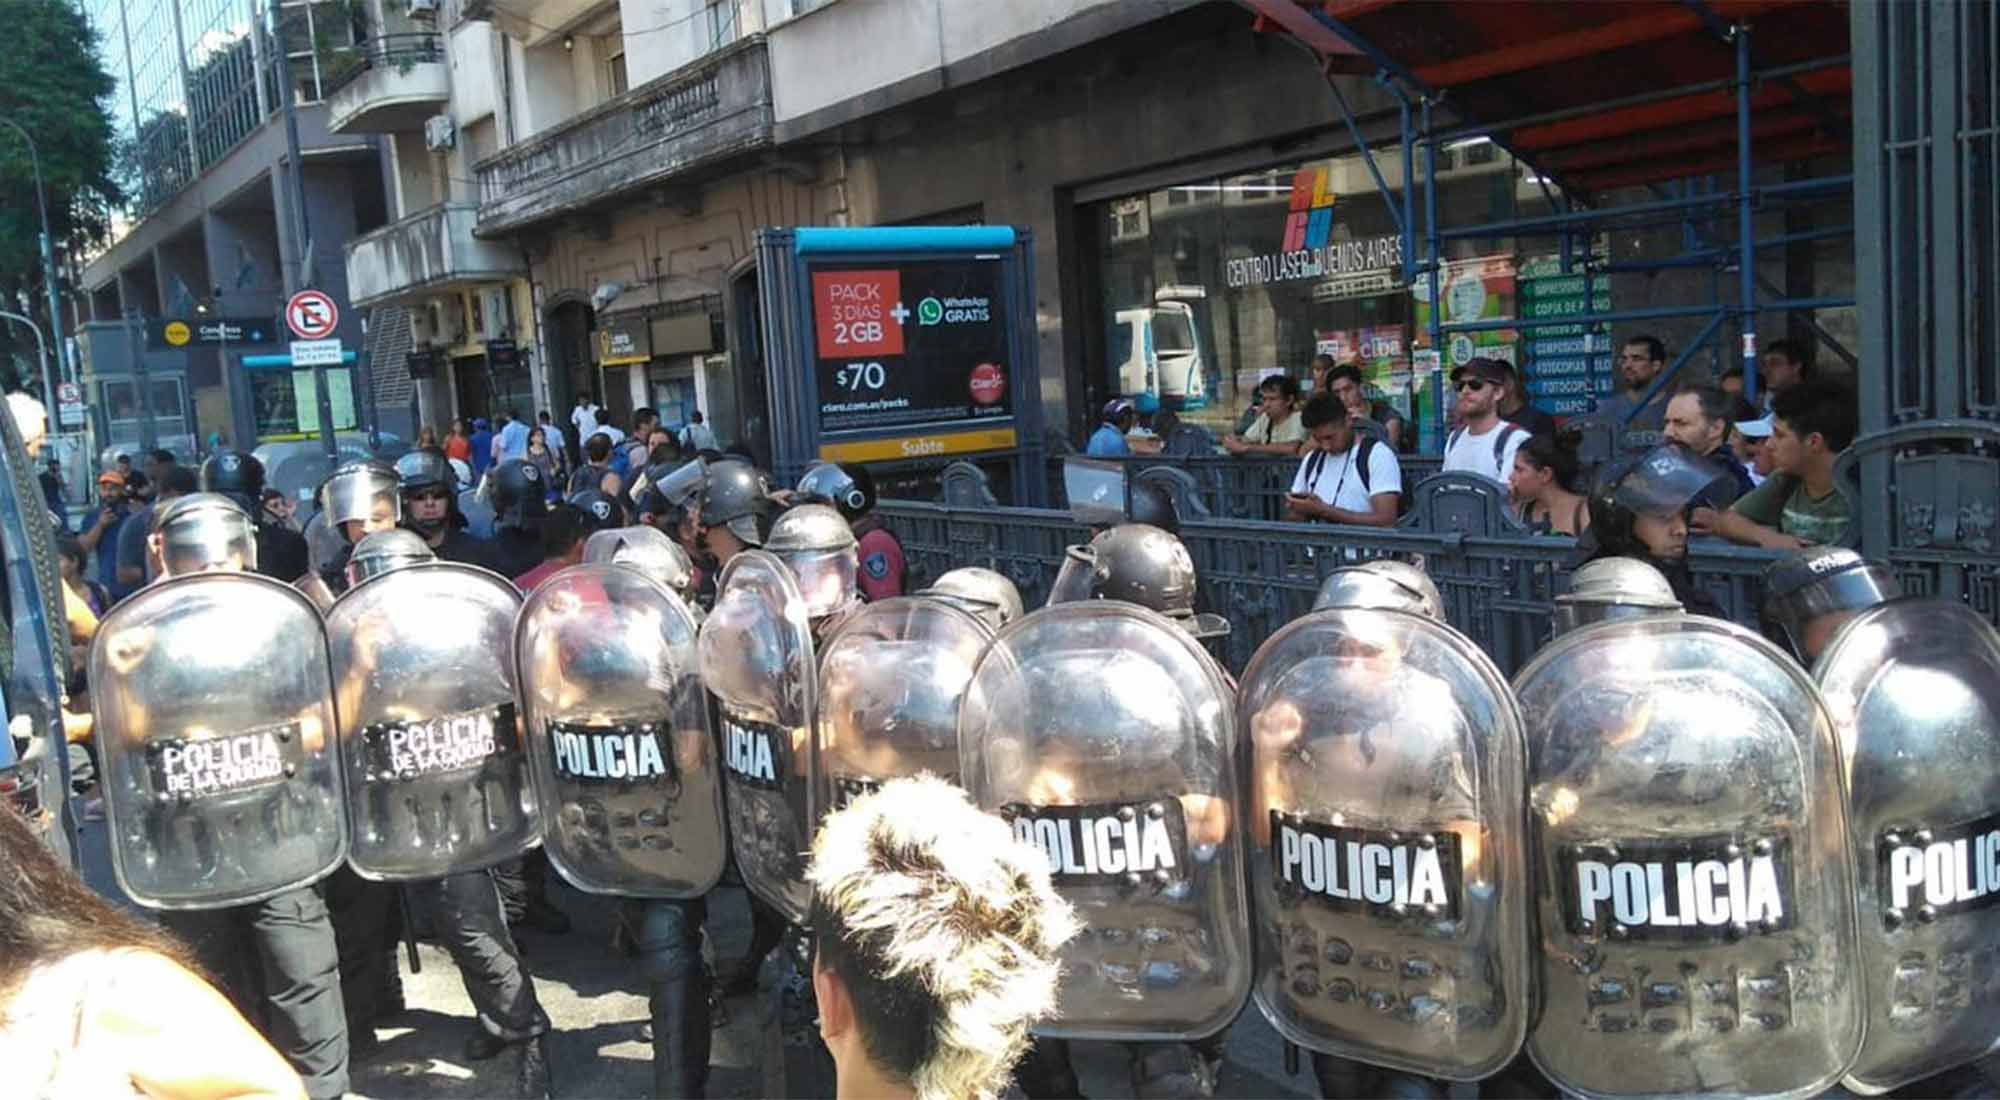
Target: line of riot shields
column 1666, row 859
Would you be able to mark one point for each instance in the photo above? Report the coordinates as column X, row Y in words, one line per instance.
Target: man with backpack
column 1483, row 444
column 1346, row 477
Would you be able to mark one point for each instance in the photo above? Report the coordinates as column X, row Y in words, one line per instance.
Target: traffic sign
column 69, row 405
column 311, row 315
column 316, row 353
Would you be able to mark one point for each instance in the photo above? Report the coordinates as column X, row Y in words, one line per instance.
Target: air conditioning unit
column 440, row 134
column 423, row 7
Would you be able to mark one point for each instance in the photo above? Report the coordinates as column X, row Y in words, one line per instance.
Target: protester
column 100, row 535
column 1750, row 437
column 1376, row 419
column 482, row 448
column 1799, row 505
column 1640, row 361
column 1484, row 444
column 563, row 535
column 1782, row 365
column 596, row 464
column 697, row 436
column 935, row 935
column 548, row 461
column 1698, row 418
column 1346, row 477
column 1515, row 409
column 135, row 565
column 427, row 438
column 1542, row 485
column 52, row 493
column 511, row 442
column 584, row 416
column 457, row 443
column 1108, row 441
column 1278, row 430
column 96, row 1003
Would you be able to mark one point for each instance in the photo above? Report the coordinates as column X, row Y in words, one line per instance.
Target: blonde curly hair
column 944, row 929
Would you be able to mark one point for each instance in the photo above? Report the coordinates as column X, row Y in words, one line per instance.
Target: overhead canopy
column 1601, row 94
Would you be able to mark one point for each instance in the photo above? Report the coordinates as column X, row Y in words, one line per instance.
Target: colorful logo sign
column 1310, row 223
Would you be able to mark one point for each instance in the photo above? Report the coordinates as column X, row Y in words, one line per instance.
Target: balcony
column 689, row 124
column 426, row 251
column 386, row 85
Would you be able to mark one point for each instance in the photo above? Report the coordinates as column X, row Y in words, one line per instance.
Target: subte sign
column 311, row 315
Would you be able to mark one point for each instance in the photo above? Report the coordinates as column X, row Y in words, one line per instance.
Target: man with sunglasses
column 430, row 509
column 1484, row 444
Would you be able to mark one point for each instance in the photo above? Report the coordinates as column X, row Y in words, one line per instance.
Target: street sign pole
column 311, row 315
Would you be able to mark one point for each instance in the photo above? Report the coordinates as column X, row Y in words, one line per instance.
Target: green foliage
column 53, row 84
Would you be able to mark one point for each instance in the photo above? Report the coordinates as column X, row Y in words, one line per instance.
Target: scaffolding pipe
column 1746, row 228
column 1436, row 267
column 1549, row 225
column 1367, row 154
column 1409, row 226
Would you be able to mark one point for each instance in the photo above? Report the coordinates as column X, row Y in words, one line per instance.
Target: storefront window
column 1212, row 285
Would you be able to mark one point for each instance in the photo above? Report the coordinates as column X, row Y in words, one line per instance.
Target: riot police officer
column 736, row 508
column 359, row 499
column 1809, row 596
column 1613, row 588
column 1141, row 564
column 430, row 508
column 276, row 958
column 849, row 487
column 992, row 598
column 821, row 550
column 466, row 904
column 1384, row 584
column 519, row 497
column 1639, row 509
column 281, row 551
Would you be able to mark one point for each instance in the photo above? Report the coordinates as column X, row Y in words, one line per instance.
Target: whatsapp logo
column 930, row 311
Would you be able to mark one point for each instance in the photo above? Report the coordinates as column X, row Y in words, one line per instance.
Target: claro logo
column 1310, row 223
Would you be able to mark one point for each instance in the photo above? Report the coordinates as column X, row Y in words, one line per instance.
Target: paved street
column 597, row 1001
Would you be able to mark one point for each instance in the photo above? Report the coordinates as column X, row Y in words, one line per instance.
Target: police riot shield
column 890, row 683
column 1695, row 899
column 430, row 742
column 618, row 734
column 214, row 713
column 315, row 589
column 1107, row 737
column 1386, row 787
column 756, row 656
column 1914, row 688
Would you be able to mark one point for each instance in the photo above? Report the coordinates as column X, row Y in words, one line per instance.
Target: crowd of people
column 1776, row 455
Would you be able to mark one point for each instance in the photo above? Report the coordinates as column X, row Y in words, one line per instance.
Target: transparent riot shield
column 618, row 734
column 430, row 741
column 1914, row 688
column 756, row 655
column 1387, row 871
column 1106, row 735
column 890, row 683
column 1695, row 899
column 214, row 719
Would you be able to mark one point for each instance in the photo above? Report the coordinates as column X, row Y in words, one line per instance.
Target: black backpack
column 1363, row 448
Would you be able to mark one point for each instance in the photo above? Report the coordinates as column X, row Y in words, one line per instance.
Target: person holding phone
column 1344, row 477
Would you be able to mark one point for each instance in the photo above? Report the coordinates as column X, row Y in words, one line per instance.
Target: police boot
column 680, row 1036
column 532, row 1079
column 1171, row 1071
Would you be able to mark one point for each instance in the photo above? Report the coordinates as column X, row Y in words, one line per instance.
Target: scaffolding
column 1706, row 139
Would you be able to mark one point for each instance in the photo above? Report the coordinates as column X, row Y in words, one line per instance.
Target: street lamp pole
column 48, row 252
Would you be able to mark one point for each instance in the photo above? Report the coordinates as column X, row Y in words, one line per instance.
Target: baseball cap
column 1759, row 428
column 111, row 477
column 1490, row 370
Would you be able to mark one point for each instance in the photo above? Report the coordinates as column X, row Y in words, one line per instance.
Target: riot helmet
column 1153, row 506
column 1639, row 506
column 1139, row 564
column 647, row 550
column 1381, row 585
column 679, row 486
column 365, row 492
column 736, row 496
column 1614, row 588
column 236, row 475
column 600, row 512
column 384, row 551
column 1809, row 595
column 848, row 486
column 426, row 474
column 986, row 594
column 517, row 493
column 820, row 548
column 204, row 532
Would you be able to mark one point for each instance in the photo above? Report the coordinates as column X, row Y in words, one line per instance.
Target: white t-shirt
column 1474, row 453
column 584, row 416
column 1335, row 480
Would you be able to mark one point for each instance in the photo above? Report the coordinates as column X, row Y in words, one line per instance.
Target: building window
column 619, row 83
column 722, row 27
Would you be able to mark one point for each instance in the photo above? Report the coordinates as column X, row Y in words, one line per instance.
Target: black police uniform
column 282, row 553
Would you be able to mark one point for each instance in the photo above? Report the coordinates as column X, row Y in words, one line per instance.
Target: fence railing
column 388, row 51
column 1239, row 488
column 1261, row 575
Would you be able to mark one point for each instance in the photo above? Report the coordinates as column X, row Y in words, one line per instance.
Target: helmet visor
column 1074, row 581
column 826, row 578
column 207, row 545
column 1096, row 491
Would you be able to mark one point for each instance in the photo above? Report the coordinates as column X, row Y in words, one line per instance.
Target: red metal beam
column 1650, row 27
column 1300, row 24
column 1678, row 141
column 1779, row 152
column 1678, row 111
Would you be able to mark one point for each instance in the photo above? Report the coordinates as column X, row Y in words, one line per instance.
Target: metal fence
column 1229, row 487
column 1260, row 575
